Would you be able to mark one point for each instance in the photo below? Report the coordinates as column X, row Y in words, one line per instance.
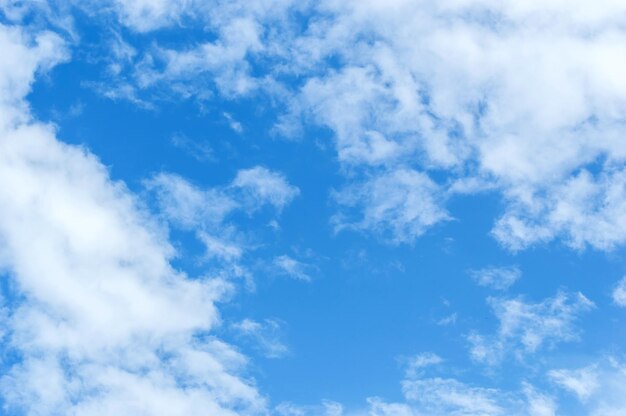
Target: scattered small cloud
column 199, row 150
column 619, row 293
column 526, row 327
column 260, row 185
column 291, row 267
column 232, row 123
column 498, row 278
column 583, row 381
column 265, row 335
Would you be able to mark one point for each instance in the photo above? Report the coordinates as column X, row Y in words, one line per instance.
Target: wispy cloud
column 265, row 335
column 291, row 267
column 499, row 278
column 526, row 327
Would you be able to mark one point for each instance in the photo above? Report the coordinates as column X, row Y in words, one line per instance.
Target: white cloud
column 582, row 210
column 438, row 396
column 291, row 267
column 499, row 278
column 600, row 386
column 188, row 205
column 263, row 186
column 524, row 328
column 416, row 364
column 232, row 123
column 101, row 321
column 266, row 336
column 147, row 15
column 524, row 99
column 539, row 404
column 441, row 396
column 619, row 292
column 205, row 210
column 583, row 382
column 399, row 205
column 327, row 408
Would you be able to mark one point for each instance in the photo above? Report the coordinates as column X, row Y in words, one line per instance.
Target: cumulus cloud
column 524, row 327
column 518, row 94
column 99, row 320
column 527, row 100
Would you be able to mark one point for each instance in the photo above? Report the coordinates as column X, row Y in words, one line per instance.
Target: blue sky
column 323, row 208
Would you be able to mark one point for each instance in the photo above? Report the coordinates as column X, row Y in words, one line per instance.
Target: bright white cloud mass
column 164, row 165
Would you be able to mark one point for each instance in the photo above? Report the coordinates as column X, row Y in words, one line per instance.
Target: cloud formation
column 524, row 327
column 100, row 320
column 525, row 100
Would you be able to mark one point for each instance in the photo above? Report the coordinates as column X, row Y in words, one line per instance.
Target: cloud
column 582, row 210
column 539, row 404
column 205, row 211
column 599, row 386
column 583, row 382
column 291, row 267
column 98, row 319
column 327, row 408
column 199, row 150
column 499, row 278
column 266, row 336
column 187, row 205
column 263, row 186
column 439, row 396
column 148, row 15
column 619, row 293
column 518, row 95
column 523, row 100
column 524, row 328
column 399, row 205
column 416, row 364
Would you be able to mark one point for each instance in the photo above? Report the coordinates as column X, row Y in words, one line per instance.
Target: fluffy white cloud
column 526, row 327
column 146, row 15
column 523, row 94
column 500, row 278
column 101, row 322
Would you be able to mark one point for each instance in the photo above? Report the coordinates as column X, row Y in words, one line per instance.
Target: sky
column 313, row 208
